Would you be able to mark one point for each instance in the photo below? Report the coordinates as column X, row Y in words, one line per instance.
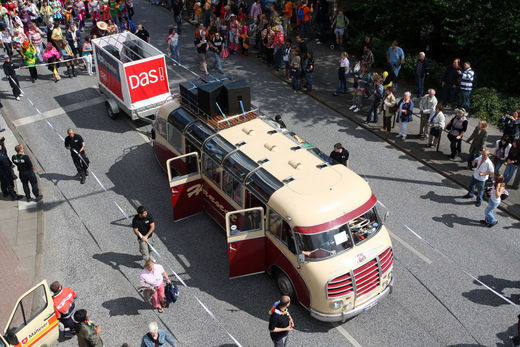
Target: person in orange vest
column 63, row 298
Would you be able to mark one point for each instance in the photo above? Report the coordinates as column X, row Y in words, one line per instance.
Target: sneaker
column 38, row 198
column 489, row 225
column 357, row 109
column 352, row 107
column 478, row 203
column 18, row 98
column 28, row 198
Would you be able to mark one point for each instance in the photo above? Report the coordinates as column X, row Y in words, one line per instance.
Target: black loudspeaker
column 132, row 51
column 112, row 50
column 234, row 92
column 211, row 78
column 189, row 91
column 208, row 95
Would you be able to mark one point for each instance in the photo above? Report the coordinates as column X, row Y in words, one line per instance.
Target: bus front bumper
column 343, row 316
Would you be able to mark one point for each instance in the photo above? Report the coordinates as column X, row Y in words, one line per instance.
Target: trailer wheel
column 111, row 114
column 285, row 285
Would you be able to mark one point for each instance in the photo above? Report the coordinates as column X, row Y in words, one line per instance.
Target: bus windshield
column 335, row 241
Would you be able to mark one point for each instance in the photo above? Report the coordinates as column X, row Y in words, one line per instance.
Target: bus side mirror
column 301, row 259
column 153, row 134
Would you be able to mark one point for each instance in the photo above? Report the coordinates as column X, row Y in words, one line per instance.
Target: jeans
column 218, row 62
column 419, row 81
column 490, row 218
column 497, row 163
column 178, row 22
column 305, row 28
column 342, row 85
column 373, row 109
column 295, row 83
column 278, row 55
column 474, row 183
column 175, row 53
column 9, row 49
column 509, row 172
column 396, row 72
column 464, row 99
column 1, row 118
column 403, row 128
column 448, row 94
column 308, row 79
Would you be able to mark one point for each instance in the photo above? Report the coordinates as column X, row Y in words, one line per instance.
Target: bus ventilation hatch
column 362, row 280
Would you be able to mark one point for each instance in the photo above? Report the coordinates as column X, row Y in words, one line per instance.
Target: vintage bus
column 285, row 207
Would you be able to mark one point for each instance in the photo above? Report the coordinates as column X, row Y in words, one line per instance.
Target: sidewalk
column 324, row 84
column 21, row 236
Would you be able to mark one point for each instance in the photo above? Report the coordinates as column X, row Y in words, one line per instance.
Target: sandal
column 160, row 309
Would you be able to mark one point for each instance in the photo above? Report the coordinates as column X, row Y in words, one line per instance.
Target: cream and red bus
column 33, row 322
column 285, row 207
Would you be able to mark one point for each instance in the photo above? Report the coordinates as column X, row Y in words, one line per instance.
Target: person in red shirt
column 63, row 299
column 304, row 15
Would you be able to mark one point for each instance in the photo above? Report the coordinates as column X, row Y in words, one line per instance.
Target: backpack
column 171, row 292
column 300, row 13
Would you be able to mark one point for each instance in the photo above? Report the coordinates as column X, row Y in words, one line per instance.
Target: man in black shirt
column 7, row 177
column 201, row 43
column 142, row 33
column 216, row 45
column 339, row 155
column 280, row 322
column 26, row 173
column 74, row 143
column 144, row 226
column 10, row 74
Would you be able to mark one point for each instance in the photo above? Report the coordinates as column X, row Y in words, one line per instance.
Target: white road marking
column 58, row 111
column 410, row 248
column 345, row 333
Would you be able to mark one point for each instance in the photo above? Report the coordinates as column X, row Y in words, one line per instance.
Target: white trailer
column 131, row 74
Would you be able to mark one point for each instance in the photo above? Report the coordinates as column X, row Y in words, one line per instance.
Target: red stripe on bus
column 340, row 220
column 53, row 319
column 49, row 329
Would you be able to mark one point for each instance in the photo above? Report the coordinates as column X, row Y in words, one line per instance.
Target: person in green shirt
column 28, row 53
column 87, row 332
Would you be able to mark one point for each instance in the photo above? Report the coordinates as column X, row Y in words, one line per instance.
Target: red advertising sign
column 109, row 72
column 147, row 79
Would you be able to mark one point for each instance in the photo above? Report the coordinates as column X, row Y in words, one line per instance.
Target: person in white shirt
column 174, row 46
column 484, row 168
column 427, row 106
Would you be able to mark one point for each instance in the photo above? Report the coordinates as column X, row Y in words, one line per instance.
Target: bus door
column 246, row 241
column 33, row 321
column 185, row 185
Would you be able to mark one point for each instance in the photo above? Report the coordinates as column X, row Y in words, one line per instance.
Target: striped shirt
column 466, row 83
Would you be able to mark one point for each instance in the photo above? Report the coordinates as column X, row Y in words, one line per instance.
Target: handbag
column 357, row 67
column 393, row 109
column 435, row 131
column 225, row 52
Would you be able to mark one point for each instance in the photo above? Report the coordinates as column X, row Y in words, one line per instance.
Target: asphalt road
column 90, row 246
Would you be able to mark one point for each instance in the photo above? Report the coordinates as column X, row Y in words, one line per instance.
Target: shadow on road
column 116, row 260
column 486, row 297
column 126, row 306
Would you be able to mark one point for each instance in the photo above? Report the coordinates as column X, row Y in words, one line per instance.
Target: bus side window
column 232, row 187
column 175, row 137
column 282, row 230
column 253, row 201
column 30, row 306
column 212, row 170
column 160, row 127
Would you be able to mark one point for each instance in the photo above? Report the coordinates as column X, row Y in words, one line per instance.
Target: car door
column 33, row 321
column 185, row 185
column 246, row 241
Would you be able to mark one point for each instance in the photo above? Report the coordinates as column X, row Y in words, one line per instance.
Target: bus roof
column 313, row 192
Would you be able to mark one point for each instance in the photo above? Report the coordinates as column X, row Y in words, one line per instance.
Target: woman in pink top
column 152, row 275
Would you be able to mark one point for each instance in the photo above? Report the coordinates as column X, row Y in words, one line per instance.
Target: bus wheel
column 284, row 284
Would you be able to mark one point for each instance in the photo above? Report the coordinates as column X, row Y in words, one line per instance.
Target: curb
column 40, row 218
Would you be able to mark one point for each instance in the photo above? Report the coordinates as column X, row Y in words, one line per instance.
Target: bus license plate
column 370, row 306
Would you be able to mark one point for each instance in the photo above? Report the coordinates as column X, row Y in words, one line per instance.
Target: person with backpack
column 303, row 15
column 340, row 24
column 494, row 201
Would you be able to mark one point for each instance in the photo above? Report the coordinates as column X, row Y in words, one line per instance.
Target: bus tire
column 111, row 114
column 284, row 284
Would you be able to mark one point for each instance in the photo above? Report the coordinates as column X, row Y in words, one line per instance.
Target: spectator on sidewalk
column 302, row 48
column 510, row 124
column 343, row 71
column 177, row 15
column 286, row 57
column 7, row 176
column 156, row 337
column 363, row 79
column 395, row 57
column 484, row 168
column 389, row 109
column 287, row 15
column 466, row 86
column 388, row 78
column 88, row 333
column 321, row 19
column 404, row 114
column 339, row 24
column 478, row 140
column 502, row 148
column 367, row 58
column 267, row 44
column 378, row 92
column 427, row 106
column 366, row 43
column 277, row 47
column 26, row 173
column 304, row 15
column 457, row 126
column 143, row 225
column 513, row 160
column 495, row 198
column 339, row 154
column 1, row 129
column 450, row 81
column 436, row 123
column 63, row 299
column 152, row 275
column 295, row 76
column 422, row 69
column 308, row 72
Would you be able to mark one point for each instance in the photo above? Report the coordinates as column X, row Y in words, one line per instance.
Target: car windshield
column 335, row 241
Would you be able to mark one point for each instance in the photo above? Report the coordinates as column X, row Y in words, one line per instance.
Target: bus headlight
column 336, row 305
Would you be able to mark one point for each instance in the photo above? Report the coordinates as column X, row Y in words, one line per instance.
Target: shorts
column 202, row 58
column 339, row 31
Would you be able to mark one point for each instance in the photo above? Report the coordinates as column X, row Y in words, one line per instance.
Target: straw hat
column 102, row 25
